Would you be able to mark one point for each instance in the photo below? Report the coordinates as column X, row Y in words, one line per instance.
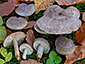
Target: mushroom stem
column 17, row 55
column 24, row 54
column 39, row 52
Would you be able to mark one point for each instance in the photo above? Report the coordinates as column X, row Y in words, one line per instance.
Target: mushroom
column 54, row 22
column 15, row 39
column 16, row 23
column 64, row 45
column 41, row 45
column 26, row 49
column 25, row 10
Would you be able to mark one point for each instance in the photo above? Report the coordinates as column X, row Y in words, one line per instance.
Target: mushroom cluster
column 57, row 20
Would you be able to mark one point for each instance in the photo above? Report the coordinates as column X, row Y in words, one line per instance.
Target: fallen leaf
column 83, row 16
column 30, row 61
column 8, row 32
column 78, row 54
column 30, row 37
column 42, row 4
column 7, row 7
column 28, row 1
column 69, row 2
column 30, row 24
column 80, row 35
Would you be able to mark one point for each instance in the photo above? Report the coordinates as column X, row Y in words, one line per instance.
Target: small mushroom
column 26, row 49
column 16, row 23
column 41, row 45
column 64, row 45
column 25, row 10
column 15, row 39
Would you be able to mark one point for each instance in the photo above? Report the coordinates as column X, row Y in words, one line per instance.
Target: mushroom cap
column 55, row 22
column 26, row 46
column 25, row 10
column 64, row 45
column 38, row 29
column 71, row 11
column 19, row 36
column 43, row 42
column 58, row 24
column 16, row 23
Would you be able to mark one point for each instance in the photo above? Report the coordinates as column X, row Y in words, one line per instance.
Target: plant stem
column 17, row 55
column 24, row 54
column 39, row 52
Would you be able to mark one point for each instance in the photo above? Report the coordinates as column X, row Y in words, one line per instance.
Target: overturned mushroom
column 25, row 10
column 26, row 49
column 15, row 39
column 16, row 23
column 58, row 22
column 64, row 45
column 41, row 45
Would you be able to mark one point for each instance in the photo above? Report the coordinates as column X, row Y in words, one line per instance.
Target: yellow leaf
column 42, row 4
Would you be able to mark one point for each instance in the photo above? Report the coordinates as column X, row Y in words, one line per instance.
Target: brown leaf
column 30, row 37
column 69, row 2
column 7, row 7
column 78, row 54
column 42, row 4
column 28, row 1
column 30, row 61
column 8, row 32
column 84, row 16
column 30, row 24
column 80, row 35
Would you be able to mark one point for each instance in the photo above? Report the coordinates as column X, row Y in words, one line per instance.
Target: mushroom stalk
column 24, row 54
column 40, row 52
column 17, row 55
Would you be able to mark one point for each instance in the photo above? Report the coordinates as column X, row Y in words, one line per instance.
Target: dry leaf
column 78, row 54
column 30, row 24
column 30, row 37
column 69, row 2
column 7, row 7
column 80, row 35
column 84, row 16
column 30, row 61
column 28, row 1
column 8, row 32
column 42, row 4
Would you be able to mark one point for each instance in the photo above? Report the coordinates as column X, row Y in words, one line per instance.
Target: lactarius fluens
column 26, row 49
column 41, row 45
column 15, row 39
column 64, row 45
column 16, row 23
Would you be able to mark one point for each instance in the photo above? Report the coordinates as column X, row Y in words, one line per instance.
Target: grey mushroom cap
column 64, row 45
column 26, row 46
column 25, row 10
column 71, row 11
column 16, row 23
column 43, row 42
column 55, row 21
column 19, row 36
column 38, row 29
